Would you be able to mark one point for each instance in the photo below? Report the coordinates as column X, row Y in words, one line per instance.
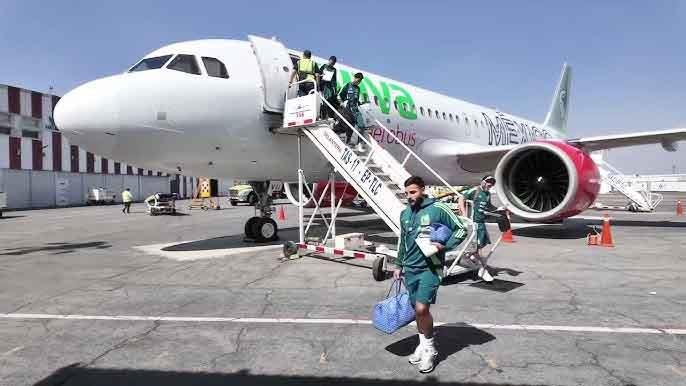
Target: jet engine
column 547, row 181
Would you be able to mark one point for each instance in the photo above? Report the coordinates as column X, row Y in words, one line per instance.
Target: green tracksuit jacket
column 410, row 257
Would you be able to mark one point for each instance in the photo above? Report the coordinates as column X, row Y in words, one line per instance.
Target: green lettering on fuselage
column 387, row 94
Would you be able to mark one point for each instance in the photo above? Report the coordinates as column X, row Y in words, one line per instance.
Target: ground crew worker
column 127, row 199
column 421, row 273
column 481, row 198
column 350, row 93
column 327, row 86
column 305, row 68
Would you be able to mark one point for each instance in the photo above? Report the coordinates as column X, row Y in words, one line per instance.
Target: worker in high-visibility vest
column 305, row 69
column 127, row 199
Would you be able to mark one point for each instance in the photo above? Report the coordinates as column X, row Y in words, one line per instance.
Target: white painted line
column 485, row 326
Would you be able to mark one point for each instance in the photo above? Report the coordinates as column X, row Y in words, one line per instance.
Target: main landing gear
column 262, row 228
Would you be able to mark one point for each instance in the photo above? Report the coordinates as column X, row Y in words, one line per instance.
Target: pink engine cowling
column 547, row 181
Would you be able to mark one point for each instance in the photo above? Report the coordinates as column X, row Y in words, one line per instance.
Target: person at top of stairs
column 305, row 68
column 327, row 86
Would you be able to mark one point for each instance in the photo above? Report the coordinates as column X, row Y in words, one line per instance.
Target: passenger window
column 421, row 110
column 215, row 68
column 150, row 63
column 429, row 112
column 444, row 117
column 451, row 117
column 405, row 107
column 376, row 100
column 185, row 63
column 395, row 103
column 438, row 115
column 457, row 119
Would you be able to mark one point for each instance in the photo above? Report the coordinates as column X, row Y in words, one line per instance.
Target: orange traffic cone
column 281, row 215
column 507, row 235
column 606, row 235
column 679, row 208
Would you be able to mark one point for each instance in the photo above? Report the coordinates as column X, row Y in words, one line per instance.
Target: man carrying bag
column 422, row 271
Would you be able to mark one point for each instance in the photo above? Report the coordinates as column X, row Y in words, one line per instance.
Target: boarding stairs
column 642, row 199
column 377, row 175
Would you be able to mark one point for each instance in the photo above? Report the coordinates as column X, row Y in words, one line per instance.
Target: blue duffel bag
column 395, row 311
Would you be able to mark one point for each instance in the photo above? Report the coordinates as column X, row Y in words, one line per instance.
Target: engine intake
column 547, row 180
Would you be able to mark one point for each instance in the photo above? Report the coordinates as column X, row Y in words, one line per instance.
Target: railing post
column 301, row 230
column 332, row 181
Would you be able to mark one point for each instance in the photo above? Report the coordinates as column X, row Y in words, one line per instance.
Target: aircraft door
column 275, row 67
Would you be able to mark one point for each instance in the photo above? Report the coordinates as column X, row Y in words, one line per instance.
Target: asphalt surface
column 154, row 300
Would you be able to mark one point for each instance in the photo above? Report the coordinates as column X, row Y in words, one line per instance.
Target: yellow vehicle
column 242, row 194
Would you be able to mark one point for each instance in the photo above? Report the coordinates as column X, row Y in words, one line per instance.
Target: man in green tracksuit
column 480, row 195
column 421, row 273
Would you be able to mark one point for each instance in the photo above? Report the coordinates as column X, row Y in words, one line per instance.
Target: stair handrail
column 415, row 156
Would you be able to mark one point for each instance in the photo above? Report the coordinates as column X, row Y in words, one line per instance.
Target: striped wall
column 21, row 110
column 31, row 145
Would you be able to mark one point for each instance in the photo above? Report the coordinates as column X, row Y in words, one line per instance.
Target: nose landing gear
column 262, row 228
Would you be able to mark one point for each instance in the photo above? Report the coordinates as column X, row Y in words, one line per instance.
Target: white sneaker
column 484, row 274
column 428, row 362
column 416, row 357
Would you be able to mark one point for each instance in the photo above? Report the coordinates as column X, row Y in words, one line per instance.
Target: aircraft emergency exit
column 205, row 108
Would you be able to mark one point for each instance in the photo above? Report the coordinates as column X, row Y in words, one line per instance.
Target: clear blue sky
column 628, row 57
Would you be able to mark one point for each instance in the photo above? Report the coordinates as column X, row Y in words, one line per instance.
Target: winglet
column 559, row 107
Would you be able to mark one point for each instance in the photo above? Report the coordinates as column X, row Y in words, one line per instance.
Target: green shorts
column 422, row 286
column 482, row 238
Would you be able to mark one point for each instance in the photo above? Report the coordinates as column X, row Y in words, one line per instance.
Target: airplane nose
column 91, row 107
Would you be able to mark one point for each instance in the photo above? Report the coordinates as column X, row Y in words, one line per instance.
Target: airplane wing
column 667, row 138
column 475, row 158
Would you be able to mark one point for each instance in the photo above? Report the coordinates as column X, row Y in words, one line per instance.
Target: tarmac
column 91, row 296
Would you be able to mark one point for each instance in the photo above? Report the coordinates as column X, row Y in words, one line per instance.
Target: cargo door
column 275, row 67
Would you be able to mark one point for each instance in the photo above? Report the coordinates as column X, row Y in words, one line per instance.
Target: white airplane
column 206, row 107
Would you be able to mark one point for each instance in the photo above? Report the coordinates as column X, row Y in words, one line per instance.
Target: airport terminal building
column 39, row 168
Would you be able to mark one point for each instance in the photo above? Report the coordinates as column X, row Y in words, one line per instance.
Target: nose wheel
column 261, row 229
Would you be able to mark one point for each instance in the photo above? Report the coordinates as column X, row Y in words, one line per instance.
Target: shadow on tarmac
column 449, row 338
column 232, row 241
column 564, row 231
column 59, row 248
column 80, row 375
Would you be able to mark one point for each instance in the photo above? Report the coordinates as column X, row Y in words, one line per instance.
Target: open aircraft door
column 275, row 66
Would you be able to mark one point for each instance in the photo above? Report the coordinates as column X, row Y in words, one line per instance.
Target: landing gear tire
column 234, row 202
column 378, row 272
column 265, row 230
column 252, row 199
column 249, row 227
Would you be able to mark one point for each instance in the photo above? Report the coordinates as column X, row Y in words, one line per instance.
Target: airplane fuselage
column 206, row 126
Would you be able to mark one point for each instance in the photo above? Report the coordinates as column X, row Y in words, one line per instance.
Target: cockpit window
column 185, row 63
column 150, row 63
column 215, row 68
